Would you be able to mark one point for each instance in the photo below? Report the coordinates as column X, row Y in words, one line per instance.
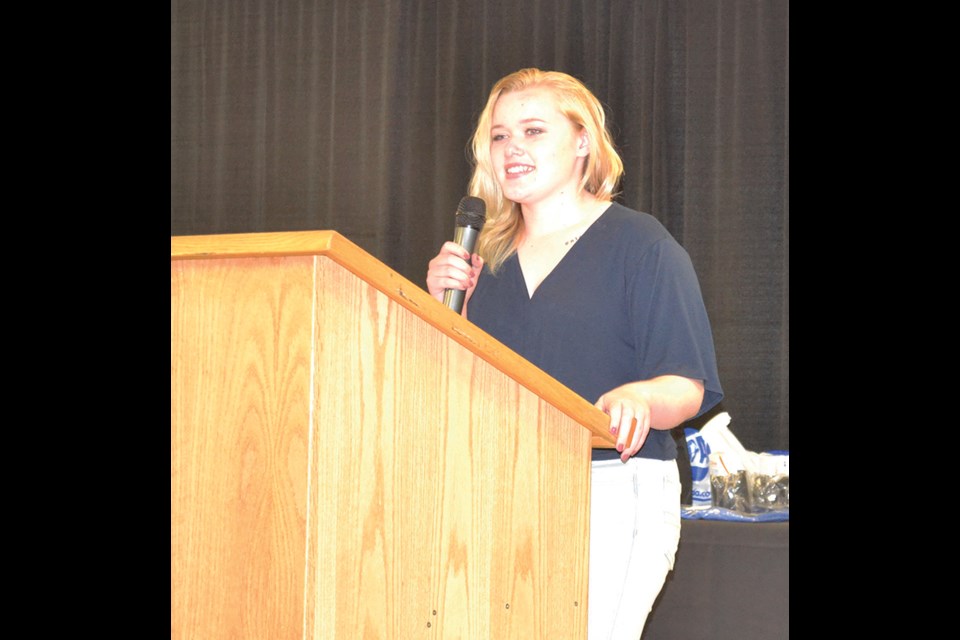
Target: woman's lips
column 516, row 170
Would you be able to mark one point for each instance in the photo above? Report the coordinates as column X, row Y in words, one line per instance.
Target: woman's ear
column 583, row 144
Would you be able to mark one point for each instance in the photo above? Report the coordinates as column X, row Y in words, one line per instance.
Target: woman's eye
column 497, row 137
column 534, row 132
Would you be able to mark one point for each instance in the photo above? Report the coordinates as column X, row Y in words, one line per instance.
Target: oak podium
column 349, row 458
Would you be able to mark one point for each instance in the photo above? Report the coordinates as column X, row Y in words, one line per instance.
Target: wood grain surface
column 345, row 464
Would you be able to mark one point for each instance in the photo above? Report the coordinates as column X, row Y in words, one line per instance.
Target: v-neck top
column 623, row 304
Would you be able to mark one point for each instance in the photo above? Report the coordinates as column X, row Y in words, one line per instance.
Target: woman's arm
column 659, row 403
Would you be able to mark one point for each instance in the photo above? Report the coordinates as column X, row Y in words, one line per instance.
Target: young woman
column 602, row 298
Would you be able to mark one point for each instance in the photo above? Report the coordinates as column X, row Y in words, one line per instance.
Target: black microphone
column 471, row 214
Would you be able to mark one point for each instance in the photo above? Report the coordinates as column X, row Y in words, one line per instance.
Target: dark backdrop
column 354, row 115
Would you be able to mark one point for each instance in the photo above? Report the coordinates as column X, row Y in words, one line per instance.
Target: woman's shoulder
column 632, row 225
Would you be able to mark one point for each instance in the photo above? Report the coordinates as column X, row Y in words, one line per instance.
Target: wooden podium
column 349, row 458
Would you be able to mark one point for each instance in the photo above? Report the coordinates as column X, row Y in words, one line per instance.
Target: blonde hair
column 601, row 174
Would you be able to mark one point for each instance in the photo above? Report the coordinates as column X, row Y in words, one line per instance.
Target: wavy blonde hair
column 601, row 174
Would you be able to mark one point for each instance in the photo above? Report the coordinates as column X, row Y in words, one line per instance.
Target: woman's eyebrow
column 524, row 121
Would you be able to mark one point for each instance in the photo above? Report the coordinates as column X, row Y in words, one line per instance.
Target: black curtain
column 354, row 116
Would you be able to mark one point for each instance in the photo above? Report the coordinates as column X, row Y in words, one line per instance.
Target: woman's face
column 537, row 152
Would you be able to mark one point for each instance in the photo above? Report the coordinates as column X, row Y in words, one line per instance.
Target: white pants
column 634, row 532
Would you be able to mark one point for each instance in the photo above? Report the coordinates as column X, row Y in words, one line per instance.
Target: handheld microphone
column 471, row 214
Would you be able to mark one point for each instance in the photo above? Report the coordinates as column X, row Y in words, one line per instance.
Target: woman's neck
column 559, row 216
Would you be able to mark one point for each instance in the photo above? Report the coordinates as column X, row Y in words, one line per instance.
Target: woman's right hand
column 452, row 268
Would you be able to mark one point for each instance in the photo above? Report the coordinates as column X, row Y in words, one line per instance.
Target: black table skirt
column 730, row 580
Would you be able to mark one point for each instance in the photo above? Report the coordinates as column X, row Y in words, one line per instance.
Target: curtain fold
column 354, row 115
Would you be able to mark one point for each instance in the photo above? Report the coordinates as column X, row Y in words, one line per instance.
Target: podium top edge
column 279, row 243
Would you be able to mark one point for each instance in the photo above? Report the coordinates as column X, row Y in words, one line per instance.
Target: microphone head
column 472, row 212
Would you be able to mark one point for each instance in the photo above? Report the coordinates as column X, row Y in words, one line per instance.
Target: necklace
column 571, row 241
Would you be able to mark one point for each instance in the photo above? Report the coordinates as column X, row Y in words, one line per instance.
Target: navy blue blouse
column 624, row 304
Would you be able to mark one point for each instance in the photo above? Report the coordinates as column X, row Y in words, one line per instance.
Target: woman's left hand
column 629, row 418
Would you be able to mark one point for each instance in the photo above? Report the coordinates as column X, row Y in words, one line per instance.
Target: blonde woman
column 602, row 298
